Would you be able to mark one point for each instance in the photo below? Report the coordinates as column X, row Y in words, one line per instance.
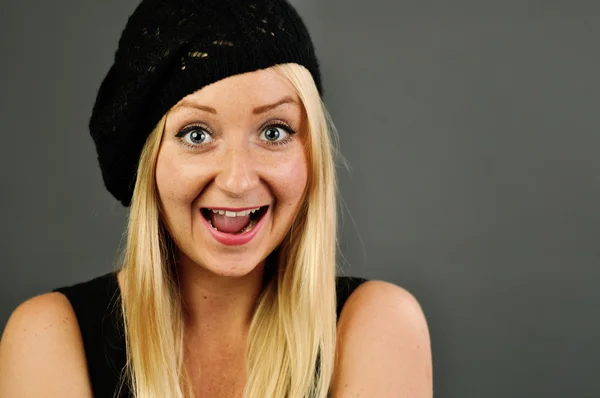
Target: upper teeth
column 242, row 213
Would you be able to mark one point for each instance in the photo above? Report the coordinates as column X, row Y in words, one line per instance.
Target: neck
column 218, row 307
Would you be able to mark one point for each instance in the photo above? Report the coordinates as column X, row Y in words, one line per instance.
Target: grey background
column 472, row 129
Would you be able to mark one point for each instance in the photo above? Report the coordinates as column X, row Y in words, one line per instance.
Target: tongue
column 230, row 225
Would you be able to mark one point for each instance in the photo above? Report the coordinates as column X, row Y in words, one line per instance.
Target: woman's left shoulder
column 384, row 347
column 376, row 299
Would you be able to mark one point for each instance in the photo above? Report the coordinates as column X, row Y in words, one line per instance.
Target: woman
column 210, row 126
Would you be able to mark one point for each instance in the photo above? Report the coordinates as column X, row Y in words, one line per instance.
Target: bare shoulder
column 384, row 348
column 41, row 351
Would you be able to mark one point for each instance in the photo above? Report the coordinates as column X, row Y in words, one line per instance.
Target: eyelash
column 283, row 125
column 276, row 123
column 184, row 131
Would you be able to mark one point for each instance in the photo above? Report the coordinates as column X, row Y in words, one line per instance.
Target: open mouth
column 234, row 222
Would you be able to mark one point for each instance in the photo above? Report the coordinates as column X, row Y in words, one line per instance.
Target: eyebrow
column 256, row 111
column 262, row 109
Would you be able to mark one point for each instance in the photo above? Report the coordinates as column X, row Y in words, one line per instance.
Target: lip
column 230, row 239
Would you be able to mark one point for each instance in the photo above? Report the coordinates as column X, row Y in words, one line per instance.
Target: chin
column 232, row 265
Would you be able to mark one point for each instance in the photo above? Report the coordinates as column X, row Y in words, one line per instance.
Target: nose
column 237, row 172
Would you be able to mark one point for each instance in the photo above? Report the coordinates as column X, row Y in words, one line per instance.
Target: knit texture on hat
column 172, row 48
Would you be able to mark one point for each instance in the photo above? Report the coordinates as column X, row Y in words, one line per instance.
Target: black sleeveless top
column 97, row 306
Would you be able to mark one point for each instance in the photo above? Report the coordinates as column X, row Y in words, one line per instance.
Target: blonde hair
column 291, row 342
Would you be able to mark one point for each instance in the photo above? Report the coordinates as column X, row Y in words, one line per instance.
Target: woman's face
column 232, row 170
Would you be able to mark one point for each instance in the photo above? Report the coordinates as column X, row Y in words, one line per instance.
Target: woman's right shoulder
column 41, row 351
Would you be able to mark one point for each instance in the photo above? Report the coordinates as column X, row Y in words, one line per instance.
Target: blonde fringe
column 293, row 331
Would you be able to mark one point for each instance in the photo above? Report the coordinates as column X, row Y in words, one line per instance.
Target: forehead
column 246, row 90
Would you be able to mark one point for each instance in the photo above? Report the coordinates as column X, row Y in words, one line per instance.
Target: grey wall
column 472, row 129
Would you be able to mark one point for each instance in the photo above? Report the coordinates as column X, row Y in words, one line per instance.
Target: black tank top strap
column 344, row 286
column 97, row 306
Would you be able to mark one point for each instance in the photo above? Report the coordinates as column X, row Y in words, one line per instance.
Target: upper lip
column 232, row 208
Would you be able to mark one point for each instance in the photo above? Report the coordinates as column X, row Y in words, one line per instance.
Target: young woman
column 210, row 126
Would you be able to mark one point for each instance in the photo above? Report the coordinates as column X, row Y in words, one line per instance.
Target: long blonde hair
column 291, row 342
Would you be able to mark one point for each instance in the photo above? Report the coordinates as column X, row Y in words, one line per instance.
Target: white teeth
column 242, row 213
column 248, row 227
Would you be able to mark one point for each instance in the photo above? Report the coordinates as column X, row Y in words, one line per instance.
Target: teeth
column 249, row 227
column 242, row 213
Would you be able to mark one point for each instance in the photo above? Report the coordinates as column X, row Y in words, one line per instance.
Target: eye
column 275, row 133
column 194, row 136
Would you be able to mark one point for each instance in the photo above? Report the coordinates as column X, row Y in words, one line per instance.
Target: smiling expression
column 235, row 145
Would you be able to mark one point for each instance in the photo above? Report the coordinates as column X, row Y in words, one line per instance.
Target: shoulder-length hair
column 291, row 343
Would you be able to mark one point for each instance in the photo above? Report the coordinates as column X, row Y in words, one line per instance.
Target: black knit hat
column 172, row 48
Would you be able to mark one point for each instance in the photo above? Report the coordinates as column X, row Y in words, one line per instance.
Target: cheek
column 178, row 183
column 290, row 179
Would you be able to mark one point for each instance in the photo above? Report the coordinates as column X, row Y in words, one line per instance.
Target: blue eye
column 275, row 134
column 194, row 136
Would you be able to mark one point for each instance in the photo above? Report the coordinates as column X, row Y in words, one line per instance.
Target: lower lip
column 235, row 240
